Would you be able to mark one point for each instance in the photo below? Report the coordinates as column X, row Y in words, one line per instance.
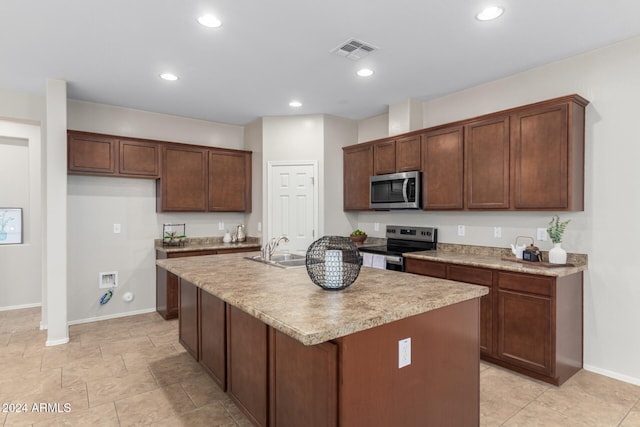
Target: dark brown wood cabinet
column 303, row 389
column 184, row 181
column 442, row 169
column 531, row 324
column 358, row 167
column 384, row 157
column 408, row 153
column 547, row 146
column 229, row 181
column 486, row 149
column 247, row 364
column 138, row 158
column 212, row 337
column 188, row 324
column 89, row 153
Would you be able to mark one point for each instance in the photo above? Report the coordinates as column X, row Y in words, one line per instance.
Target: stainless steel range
column 401, row 239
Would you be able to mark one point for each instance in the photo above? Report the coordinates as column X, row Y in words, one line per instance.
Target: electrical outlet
column 116, row 228
column 542, row 234
column 220, row 225
column 404, row 352
column 376, row 226
column 259, row 227
column 461, row 230
column 497, row 232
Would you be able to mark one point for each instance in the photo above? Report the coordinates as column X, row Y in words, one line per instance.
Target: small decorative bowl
column 358, row 239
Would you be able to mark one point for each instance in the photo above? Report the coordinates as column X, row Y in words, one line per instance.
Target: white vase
column 557, row 255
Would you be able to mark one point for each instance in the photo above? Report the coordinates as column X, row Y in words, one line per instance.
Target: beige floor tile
column 175, row 369
column 203, row 390
column 494, row 413
column 501, row 386
column 152, row 406
column 98, row 416
column 103, row 390
column 93, row 368
column 211, row 415
column 71, row 353
column 142, row 358
column 126, row 345
column 23, row 384
column 537, row 415
column 50, row 404
column 633, row 418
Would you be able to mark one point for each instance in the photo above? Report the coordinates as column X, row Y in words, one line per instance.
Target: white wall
column 253, row 142
column 96, row 203
column 375, row 127
column 608, row 227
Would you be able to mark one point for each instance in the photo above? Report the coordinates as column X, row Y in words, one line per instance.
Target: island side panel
column 441, row 386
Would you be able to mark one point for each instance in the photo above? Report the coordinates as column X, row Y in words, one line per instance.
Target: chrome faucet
column 270, row 247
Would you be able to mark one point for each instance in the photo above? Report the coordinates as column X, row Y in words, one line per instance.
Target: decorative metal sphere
column 333, row 262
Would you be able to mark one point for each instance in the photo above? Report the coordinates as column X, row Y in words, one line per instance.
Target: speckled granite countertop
column 290, row 302
column 489, row 257
column 207, row 243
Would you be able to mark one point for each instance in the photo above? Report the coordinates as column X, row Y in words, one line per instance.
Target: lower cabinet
column 212, row 337
column 188, row 327
column 247, row 364
column 529, row 323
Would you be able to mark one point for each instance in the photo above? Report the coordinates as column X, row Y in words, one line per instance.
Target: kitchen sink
column 282, row 260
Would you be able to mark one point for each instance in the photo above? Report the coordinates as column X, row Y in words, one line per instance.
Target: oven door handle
column 397, row 260
column 405, row 184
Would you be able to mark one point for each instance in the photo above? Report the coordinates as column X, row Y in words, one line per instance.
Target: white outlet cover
column 461, row 230
column 497, row 232
column 404, row 352
column 542, row 234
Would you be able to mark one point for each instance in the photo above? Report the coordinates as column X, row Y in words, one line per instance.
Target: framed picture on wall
column 10, row 226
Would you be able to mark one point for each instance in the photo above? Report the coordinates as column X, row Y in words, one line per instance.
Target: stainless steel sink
column 282, row 260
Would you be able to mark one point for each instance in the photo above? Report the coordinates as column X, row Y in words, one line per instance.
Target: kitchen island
column 291, row 353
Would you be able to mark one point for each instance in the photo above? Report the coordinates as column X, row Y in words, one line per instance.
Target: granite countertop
column 287, row 299
column 207, row 243
column 494, row 258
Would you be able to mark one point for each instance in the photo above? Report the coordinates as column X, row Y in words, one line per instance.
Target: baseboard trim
column 18, row 307
column 57, row 342
column 111, row 316
column 611, row 374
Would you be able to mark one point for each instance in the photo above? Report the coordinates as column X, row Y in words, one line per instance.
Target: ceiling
column 269, row 52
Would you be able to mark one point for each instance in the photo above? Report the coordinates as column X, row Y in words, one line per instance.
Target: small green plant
column 556, row 228
column 358, row 233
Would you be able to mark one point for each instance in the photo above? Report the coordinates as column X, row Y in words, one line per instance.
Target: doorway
column 292, row 203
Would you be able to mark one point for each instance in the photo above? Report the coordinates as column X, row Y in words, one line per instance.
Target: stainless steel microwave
column 395, row 191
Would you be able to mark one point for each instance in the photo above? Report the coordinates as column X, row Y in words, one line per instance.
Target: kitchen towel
column 367, row 259
column 379, row 261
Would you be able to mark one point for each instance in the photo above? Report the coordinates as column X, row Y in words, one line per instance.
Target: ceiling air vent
column 354, row 49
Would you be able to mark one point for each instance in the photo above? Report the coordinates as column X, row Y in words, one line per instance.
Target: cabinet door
column 541, row 153
column 139, row 158
column 426, row 268
column 525, row 324
column 358, row 167
column 384, row 157
column 229, row 181
column 487, row 164
column 183, row 184
column 92, row 154
column 442, row 169
column 304, row 389
column 482, row 277
column 188, row 317
column 408, row 154
column 247, row 372
column 213, row 346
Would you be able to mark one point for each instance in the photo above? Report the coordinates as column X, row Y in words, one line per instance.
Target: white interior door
column 292, row 201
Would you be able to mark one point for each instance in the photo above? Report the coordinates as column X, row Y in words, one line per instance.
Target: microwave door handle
column 404, row 190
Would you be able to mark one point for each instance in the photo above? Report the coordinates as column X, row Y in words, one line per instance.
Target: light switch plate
column 497, row 232
column 461, row 230
column 404, row 352
column 542, row 234
column 116, row 228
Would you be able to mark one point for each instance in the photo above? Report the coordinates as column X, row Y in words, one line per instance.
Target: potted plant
column 555, row 230
column 358, row 236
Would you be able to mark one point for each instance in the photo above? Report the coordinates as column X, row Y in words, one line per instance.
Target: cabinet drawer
column 477, row 276
column 524, row 283
column 426, row 268
column 191, row 253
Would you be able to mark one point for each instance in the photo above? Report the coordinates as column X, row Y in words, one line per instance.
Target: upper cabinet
column 525, row 158
column 192, row 178
column 442, row 168
column 97, row 154
column 229, row 181
column 183, row 184
column 357, row 168
column 547, row 144
column 486, row 148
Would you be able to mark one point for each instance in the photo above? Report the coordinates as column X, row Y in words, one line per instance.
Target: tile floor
column 132, row 371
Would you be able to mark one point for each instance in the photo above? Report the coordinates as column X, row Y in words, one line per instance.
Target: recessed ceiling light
column 169, row 76
column 365, row 72
column 209, row 21
column 295, row 104
column 489, row 13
